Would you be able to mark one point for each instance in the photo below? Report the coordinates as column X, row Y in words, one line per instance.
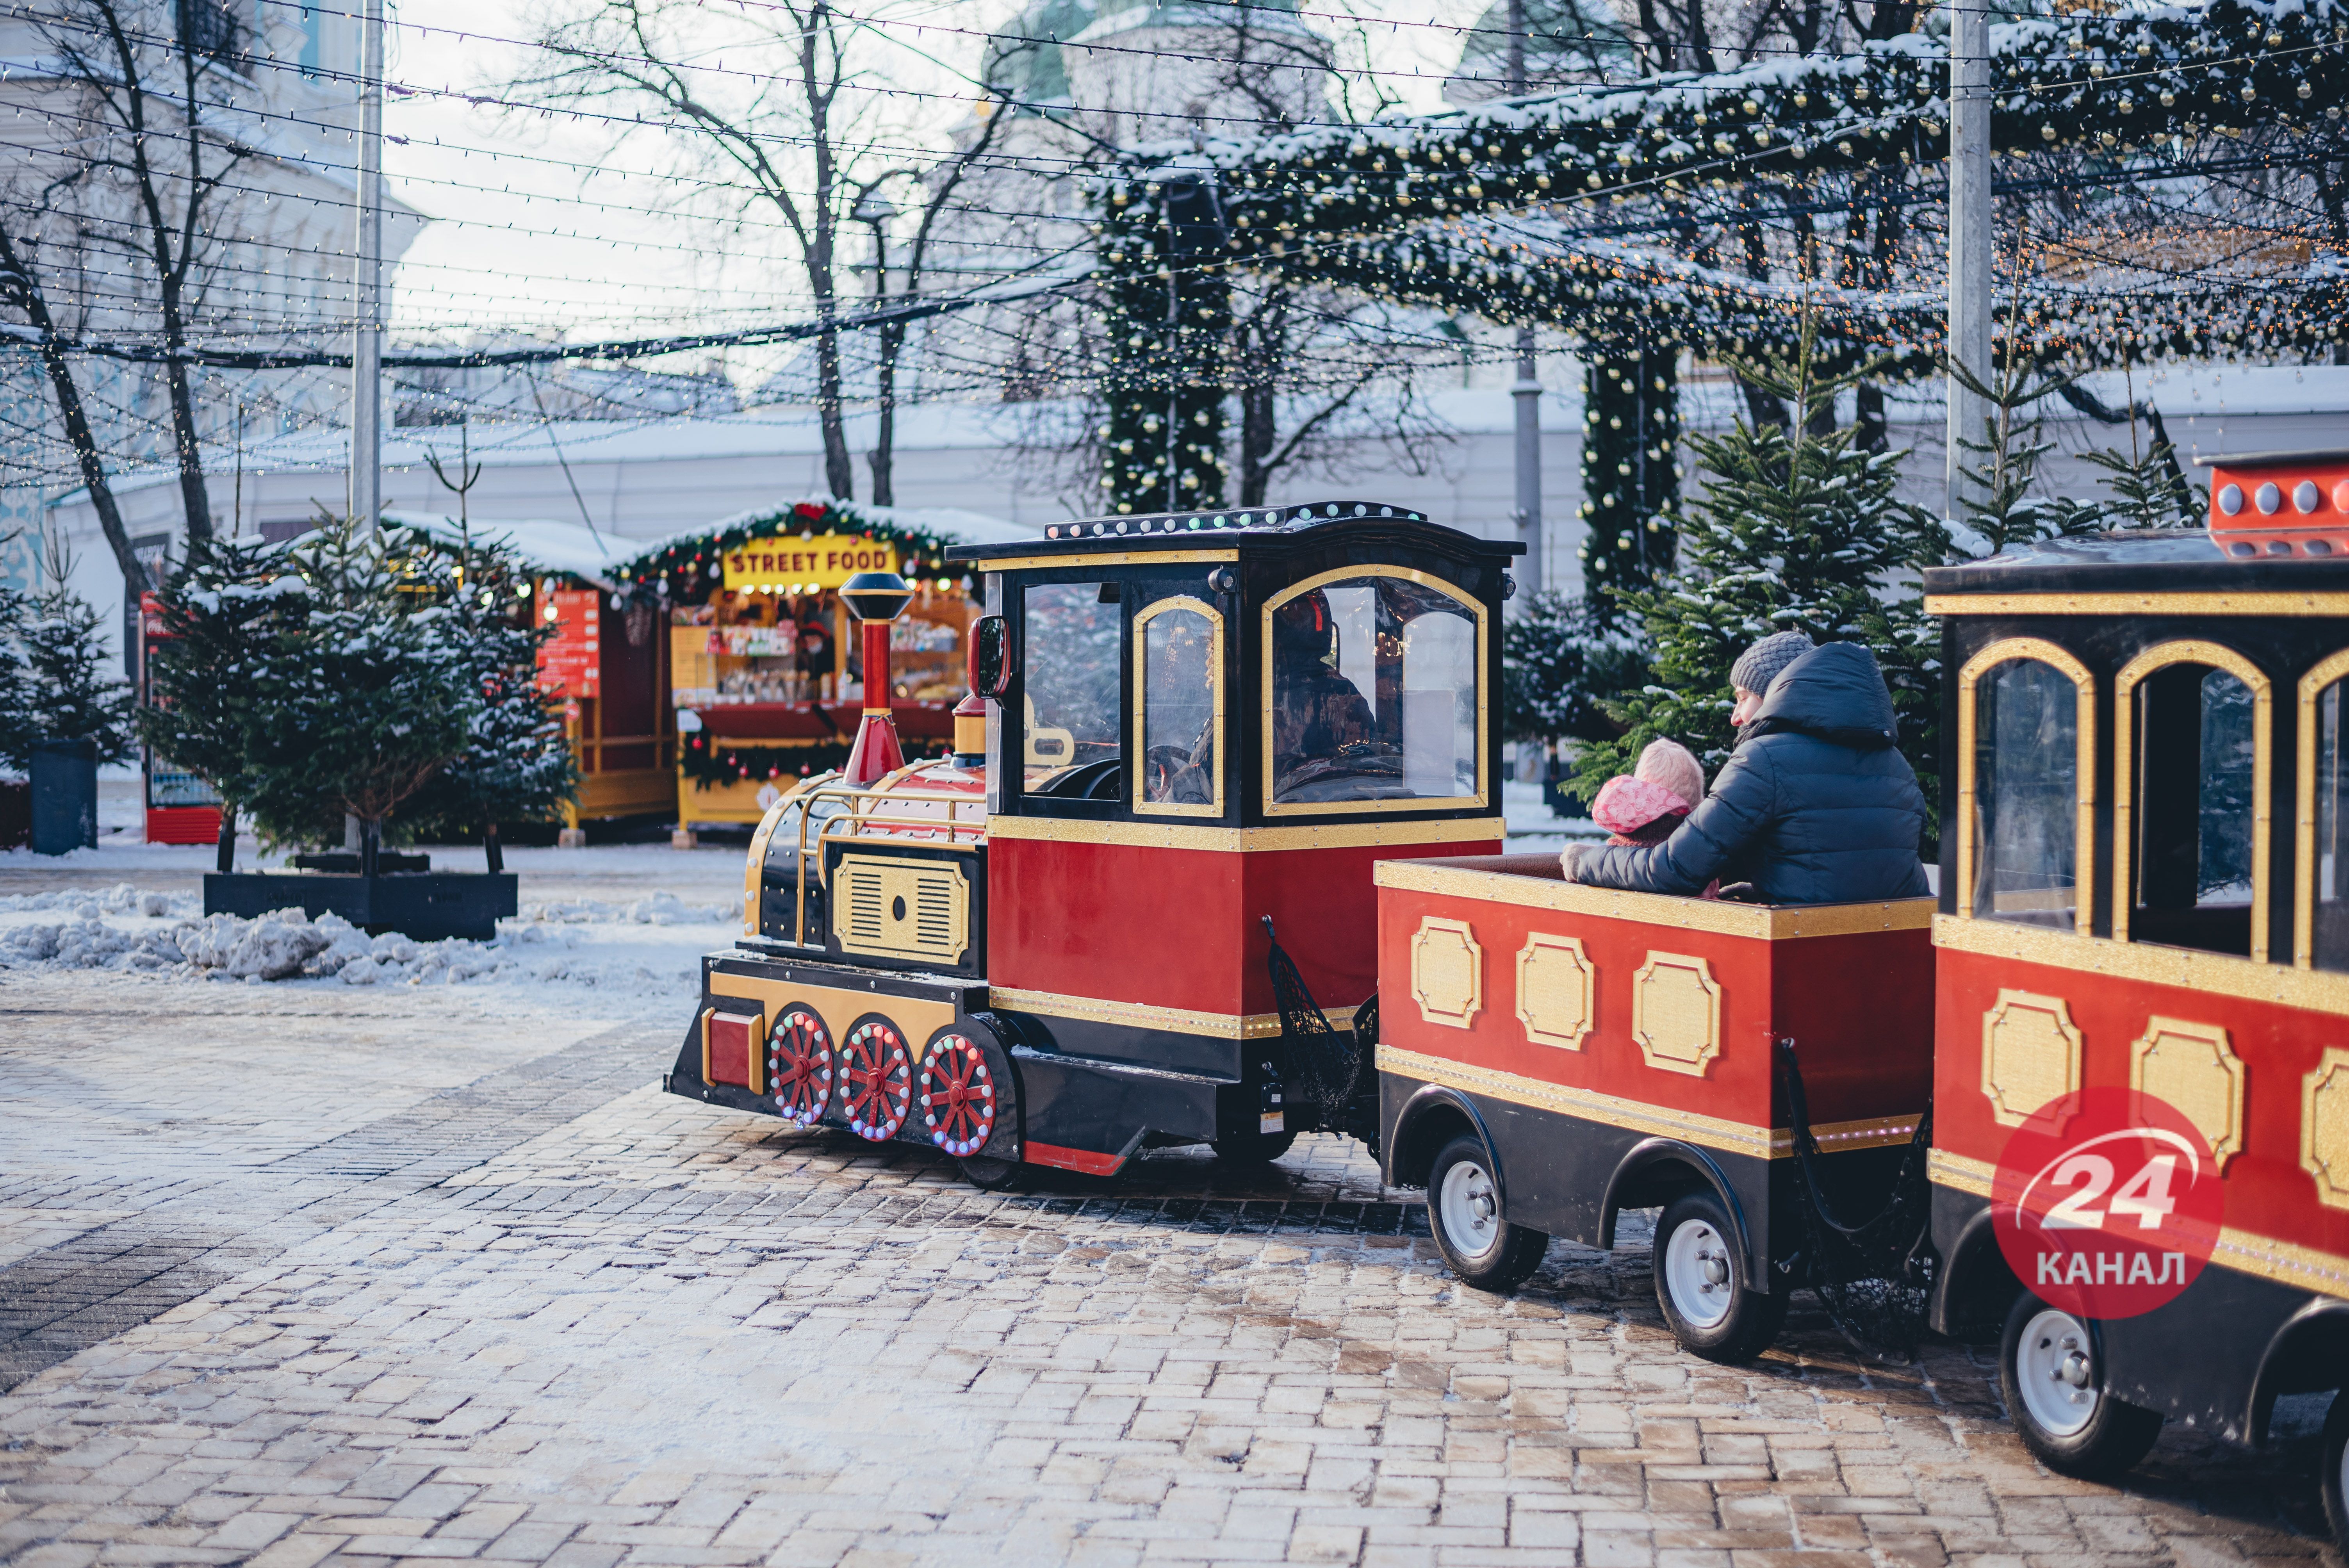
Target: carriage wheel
column 800, row 1067
column 957, row 1096
column 876, row 1081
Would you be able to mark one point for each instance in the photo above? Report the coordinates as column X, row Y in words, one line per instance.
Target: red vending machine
column 181, row 808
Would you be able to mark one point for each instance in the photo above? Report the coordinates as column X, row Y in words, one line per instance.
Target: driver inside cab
column 1315, row 711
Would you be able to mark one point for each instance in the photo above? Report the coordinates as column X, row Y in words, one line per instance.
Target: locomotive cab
column 1199, row 732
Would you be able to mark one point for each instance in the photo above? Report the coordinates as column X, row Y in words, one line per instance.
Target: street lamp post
column 366, row 269
column 1969, row 233
column 1527, row 391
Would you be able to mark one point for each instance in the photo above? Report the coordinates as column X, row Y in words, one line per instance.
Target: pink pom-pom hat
column 1626, row 803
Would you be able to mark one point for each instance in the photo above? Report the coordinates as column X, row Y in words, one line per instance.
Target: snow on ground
column 646, row 949
column 1534, row 827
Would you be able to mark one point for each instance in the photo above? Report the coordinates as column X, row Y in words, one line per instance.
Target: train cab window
column 1070, row 654
column 1178, row 664
column 2324, row 861
column 2026, row 837
column 1375, row 694
column 2191, row 837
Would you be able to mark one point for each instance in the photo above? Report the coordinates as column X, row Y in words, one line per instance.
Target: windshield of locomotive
column 1180, row 714
column 1070, row 652
column 1373, row 694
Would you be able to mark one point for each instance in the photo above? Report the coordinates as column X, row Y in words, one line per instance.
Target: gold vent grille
column 902, row 909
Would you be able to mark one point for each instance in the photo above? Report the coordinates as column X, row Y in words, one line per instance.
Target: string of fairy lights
column 1496, row 213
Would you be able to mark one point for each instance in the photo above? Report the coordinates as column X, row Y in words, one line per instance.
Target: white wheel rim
column 1701, row 1273
column 2055, row 1369
column 1470, row 1210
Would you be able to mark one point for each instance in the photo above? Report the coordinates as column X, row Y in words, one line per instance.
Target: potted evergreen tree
column 65, row 717
column 341, row 674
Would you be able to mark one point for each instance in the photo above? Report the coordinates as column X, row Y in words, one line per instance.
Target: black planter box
column 65, row 796
column 427, row 906
column 347, row 862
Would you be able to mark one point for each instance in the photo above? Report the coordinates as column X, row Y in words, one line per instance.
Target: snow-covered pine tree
column 73, row 697
column 344, row 682
column 1794, row 532
column 18, row 730
column 1557, row 667
column 373, row 691
column 1999, row 499
column 223, row 612
column 2149, row 489
column 517, row 765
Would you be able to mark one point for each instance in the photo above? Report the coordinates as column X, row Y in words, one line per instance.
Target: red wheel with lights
column 957, row 1095
column 800, row 1067
column 877, row 1080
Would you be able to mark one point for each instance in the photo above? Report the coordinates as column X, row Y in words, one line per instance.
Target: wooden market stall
column 765, row 677
column 606, row 663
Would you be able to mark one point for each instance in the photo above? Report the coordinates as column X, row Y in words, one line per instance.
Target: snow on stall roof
column 544, row 544
column 952, row 524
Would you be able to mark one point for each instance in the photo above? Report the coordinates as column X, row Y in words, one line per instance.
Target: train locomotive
column 1199, row 732
column 1219, row 860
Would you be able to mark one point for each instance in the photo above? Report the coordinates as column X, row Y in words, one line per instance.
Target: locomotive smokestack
column 876, row 599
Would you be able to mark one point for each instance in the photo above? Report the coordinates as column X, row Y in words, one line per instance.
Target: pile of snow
column 87, row 945
column 119, row 899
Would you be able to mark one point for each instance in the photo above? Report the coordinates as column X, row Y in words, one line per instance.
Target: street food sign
column 572, row 664
column 788, row 565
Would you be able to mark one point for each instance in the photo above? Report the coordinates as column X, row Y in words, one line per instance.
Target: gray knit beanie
column 1758, row 665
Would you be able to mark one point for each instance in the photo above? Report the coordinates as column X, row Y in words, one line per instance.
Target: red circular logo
column 2107, row 1202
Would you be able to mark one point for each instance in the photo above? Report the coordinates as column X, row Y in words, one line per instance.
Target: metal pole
column 1969, row 230
column 366, row 269
column 1527, row 391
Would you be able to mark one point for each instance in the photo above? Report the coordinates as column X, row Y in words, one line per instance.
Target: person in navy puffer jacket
column 1815, row 805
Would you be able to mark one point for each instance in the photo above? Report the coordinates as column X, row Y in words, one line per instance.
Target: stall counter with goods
column 765, row 675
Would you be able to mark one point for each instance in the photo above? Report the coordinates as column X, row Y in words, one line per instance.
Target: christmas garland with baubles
column 687, row 568
column 1406, row 209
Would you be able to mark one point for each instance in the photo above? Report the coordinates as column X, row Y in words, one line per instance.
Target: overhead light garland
column 1413, row 210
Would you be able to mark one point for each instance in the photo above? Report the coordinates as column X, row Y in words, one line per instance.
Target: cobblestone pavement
column 292, row 1277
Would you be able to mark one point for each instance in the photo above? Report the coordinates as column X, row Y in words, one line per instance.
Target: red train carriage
column 1055, row 947
column 1551, row 1054
column 2142, row 889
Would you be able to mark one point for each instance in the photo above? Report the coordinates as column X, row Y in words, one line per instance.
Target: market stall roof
column 544, row 545
column 949, row 524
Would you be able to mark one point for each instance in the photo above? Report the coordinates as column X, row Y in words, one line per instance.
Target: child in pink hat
column 1646, row 805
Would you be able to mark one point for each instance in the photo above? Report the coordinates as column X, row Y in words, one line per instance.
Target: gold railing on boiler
column 877, row 811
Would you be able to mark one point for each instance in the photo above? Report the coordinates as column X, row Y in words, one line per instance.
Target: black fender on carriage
column 2308, row 1355
column 1654, row 1172
column 1433, row 1117
column 1974, row 1287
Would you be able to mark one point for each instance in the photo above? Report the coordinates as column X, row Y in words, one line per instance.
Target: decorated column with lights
column 1170, row 330
column 1631, row 472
